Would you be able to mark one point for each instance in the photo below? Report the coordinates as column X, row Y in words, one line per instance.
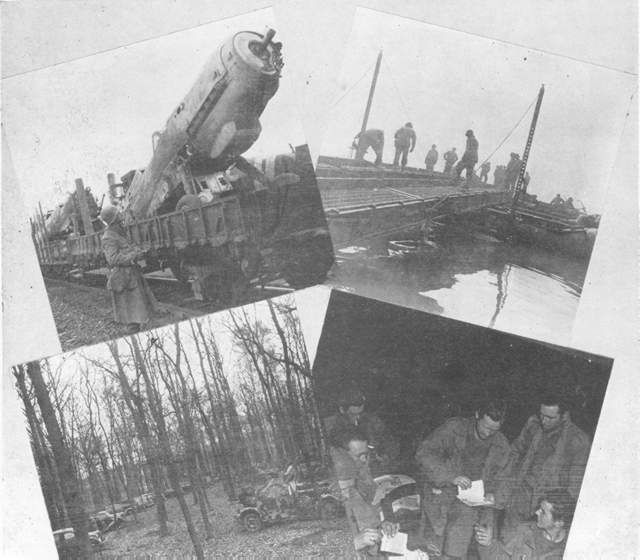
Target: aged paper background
column 39, row 34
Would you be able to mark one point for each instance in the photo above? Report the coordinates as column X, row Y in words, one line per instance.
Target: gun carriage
column 199, row 208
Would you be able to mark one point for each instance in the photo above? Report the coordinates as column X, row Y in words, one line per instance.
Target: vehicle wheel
column 329, row 509
column 252, row 522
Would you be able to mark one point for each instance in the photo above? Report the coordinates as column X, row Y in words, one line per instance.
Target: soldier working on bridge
column 431, row 159
column 557, row 201
column 469, row 158
column 372, row 138
column 484, row 171
column 133, row 301
column 499, row 176
column 405, row 142
column 450, row 159
column 513, row 170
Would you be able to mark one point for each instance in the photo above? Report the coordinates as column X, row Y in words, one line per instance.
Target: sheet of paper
column 394, row 545
column 473, row 495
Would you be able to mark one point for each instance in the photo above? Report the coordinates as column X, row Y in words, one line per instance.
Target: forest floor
column 301, row 539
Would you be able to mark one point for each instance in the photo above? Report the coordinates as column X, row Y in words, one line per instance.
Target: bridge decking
column 364, row 202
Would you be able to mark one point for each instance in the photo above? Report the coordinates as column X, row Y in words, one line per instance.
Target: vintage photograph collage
column 320, row 280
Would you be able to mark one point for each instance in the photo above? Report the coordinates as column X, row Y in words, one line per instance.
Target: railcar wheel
column 306, row 262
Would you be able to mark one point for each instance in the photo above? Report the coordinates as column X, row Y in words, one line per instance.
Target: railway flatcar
column 214, row 218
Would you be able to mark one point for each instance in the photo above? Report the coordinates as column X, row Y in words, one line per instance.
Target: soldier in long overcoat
column 132, row 299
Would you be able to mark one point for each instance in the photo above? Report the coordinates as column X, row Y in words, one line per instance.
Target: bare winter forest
column 171, row 421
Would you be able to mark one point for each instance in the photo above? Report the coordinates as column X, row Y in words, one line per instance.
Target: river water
column 475, row 278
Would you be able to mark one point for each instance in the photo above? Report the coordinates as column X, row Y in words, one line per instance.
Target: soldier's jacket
column 373, row 136
column 564, row 468
column 528, row 543
column 119, row 253
column 432, row 157
column 513, row 168
column 405, row 137
column 440, row 455
column 471, row 151
column 357, row 489
column 440, row 459
column 450, row 157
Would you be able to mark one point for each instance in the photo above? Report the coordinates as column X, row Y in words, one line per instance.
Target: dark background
column 417, row 369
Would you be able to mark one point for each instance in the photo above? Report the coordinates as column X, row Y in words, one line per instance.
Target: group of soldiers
column 405, row 142
column 531, row 484
column 560, row 202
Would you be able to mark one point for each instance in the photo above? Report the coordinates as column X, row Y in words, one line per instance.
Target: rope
column 352, row 85
column 393, row 81
column 509, row 133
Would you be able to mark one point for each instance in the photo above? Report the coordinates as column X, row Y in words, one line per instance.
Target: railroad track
column 175, row 299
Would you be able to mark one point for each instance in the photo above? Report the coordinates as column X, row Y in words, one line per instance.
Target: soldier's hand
column 483, row 534
column 366, row 538
column 462, row 481
column 389, row 529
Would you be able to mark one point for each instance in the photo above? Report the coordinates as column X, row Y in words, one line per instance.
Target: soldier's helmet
column 469, row 132
column 408, row 125
column 351, row 396
column 108, row 214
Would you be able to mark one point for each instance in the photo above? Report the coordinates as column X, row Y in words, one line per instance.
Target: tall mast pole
column 519, row 188
column 371, row 91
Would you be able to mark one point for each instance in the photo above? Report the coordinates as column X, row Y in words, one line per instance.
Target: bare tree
column 70, row 487
column 155, row 407
column 134, row 402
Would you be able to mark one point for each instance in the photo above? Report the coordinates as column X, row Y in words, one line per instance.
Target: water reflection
column 474, row 278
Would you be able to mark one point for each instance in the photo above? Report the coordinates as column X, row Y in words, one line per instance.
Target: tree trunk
column 136, row 408
column 156, row 411
column 70, row 487
column 53, row 502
